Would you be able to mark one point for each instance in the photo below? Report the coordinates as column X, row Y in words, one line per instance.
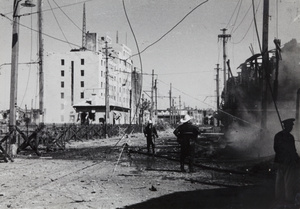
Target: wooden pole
column 156, row 99
column 170, row 98
column 152, row 93
column 14, row 70
column 41, row 61
column 265, row 65
column 107, row 109
column 224, row 37
column 218, row 93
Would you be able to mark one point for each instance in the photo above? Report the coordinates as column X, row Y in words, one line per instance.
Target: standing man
column 287, row 161
column 150, row 133
column 187, row 134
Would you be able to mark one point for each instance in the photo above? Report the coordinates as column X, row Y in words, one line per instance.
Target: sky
column 184, row 57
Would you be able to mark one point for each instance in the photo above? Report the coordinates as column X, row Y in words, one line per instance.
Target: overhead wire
column 141, row 65
column 196, row 72
column 180, row 21
column 51, row 9
column 248, row 27
column 66, row 15
column 139, row 53
column 137, row 47
column 76, row 45
column 45, row 34
column 31, row 29
column 268, row 81
column 67, row 5
column 245, row 15
column 28, row 76
column 203, row 102
column 232, row 14
column 237, row 15
column 276, row 23
column 255, row 24
column 60, row 28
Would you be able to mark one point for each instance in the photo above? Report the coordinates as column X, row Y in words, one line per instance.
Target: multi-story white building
column 74, row 83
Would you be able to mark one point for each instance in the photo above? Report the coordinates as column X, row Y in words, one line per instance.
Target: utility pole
column 297, row 113
column 130, row 106
column 179, row 106
column 155, row 87
column 14, row 66
column 135, row 97
column 170, row 98
column 14, row 70
column 173, row 111
column 218, row 94
column 152, row 93
column 225, row 38
column 265, row 64
column 107, row 108
column 41, row 61
column 142, row 111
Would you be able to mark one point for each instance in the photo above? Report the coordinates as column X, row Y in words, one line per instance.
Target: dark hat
column 289, row 120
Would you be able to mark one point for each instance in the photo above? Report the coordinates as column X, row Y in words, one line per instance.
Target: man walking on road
column 187, row 134
column 287, row 160
column 150, row 133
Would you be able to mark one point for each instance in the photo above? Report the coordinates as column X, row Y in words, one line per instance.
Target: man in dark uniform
column 150, row 133
column 287, row 161
column 187, row 133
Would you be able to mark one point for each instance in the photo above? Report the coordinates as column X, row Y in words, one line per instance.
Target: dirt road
column 103, row 173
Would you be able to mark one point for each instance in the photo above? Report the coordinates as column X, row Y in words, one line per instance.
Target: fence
column 55, row 136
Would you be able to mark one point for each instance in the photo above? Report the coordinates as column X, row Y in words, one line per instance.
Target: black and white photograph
column 150, row 104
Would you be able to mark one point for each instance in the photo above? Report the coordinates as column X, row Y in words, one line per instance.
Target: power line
column 255, row 24
column 208, row 71
column 67, row 15
column 67, row 5
column 233, row 14
column 248, row 27
column 209, row 105
column 276, row 22
column 141, row 65
column 76, row 45
column 38, row 32
column 237, row 15
column 242, row 19
column 59, row 25
column 28, row 76
column 171, row 28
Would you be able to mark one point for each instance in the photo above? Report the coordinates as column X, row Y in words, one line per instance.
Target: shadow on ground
column 249, row 197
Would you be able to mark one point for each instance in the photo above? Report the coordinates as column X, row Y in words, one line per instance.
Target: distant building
column 74, row 84
column 200, row 116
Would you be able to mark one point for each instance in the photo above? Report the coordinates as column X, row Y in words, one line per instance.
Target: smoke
column 288, row 85
column 289, row 73
column 249, row 139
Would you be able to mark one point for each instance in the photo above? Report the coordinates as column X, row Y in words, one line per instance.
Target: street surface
column 114, row 173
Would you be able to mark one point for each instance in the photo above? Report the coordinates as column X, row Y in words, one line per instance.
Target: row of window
column 62, row 62
column 62, row 84
column 62, row 95
column 62, row 73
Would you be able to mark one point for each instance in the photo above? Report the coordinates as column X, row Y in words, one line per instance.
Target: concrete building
column 74, row 83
